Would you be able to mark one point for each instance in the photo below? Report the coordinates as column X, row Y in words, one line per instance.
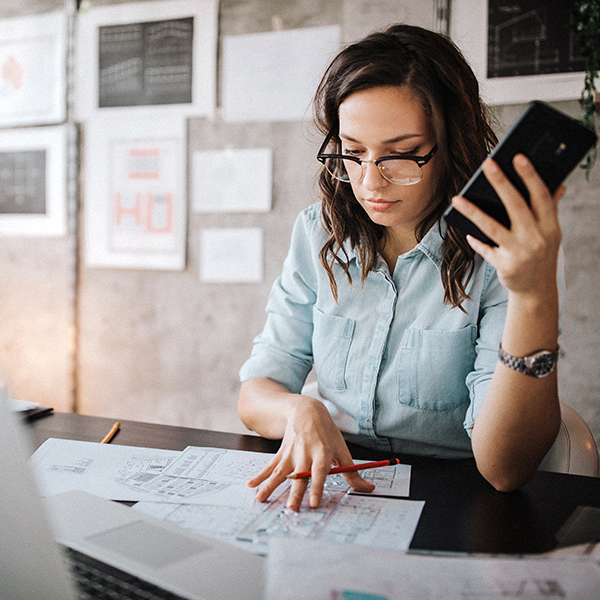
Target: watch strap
column 538, row 364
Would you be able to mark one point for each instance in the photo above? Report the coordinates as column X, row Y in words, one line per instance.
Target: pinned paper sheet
column 273, row 76
column 231, row 255
column 232, row 180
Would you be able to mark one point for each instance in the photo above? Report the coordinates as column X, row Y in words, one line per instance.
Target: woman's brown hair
column 433, row 67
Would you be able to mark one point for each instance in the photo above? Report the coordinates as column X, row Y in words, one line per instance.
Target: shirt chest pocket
column 433, row 366
column 332, row 337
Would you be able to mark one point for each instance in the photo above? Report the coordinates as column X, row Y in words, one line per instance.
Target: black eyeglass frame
column 420, row 160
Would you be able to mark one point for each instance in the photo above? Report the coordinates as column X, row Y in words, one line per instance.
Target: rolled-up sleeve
column 490, row 327
column 283, row 350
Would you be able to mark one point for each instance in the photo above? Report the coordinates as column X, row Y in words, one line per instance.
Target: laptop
column 41, row 538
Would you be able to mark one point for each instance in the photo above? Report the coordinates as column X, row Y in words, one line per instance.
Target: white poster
column 33, row 56
column 273, row 76
column 231, row 255
column 33, row 181
column 135, row 204
column 141, row 55
column 232, row 180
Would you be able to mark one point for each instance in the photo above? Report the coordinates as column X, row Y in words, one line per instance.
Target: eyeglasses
column 403, row 169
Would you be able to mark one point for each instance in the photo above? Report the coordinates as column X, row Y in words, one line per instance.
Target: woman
column 402, row 317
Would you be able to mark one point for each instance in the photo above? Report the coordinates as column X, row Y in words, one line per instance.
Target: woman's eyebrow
column 393, row 140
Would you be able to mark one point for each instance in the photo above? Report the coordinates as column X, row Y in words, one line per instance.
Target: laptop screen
column 31, row 565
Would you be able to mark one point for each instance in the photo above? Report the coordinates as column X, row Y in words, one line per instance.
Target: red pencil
column 357, row 467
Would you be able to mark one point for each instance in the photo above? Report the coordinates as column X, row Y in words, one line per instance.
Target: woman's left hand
column 526, row 256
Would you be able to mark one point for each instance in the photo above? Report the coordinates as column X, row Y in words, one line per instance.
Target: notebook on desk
column 103, row 537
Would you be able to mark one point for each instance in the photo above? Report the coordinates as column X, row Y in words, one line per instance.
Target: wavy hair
column 432, row 67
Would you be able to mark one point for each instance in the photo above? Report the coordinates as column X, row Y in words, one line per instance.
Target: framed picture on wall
column 135, row 192
column 33, row 181
column 33, row 53
column 520, row 50
column 142, row 55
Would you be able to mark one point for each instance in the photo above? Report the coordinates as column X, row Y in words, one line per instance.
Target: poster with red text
column 135, row 204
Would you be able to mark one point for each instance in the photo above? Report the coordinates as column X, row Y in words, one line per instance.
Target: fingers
column 297, row 490
column 356, row 482
column 541, row 213
column 487, row 224
column 274, row 474
column 319, row 471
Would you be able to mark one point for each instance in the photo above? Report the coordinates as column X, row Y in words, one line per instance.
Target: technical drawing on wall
column 23, row 182
column 145, row 63
column 531, row 37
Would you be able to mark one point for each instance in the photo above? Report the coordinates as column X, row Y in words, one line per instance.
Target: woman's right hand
column 311, row 442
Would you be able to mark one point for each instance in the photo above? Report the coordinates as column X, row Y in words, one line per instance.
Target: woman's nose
column 372, row 178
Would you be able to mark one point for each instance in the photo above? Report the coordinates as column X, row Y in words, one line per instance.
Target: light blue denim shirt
column 411, row 370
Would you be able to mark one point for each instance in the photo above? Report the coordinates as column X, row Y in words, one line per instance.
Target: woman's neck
column 395, row 243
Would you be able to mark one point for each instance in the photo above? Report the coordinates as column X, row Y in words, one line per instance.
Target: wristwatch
column 538, row 364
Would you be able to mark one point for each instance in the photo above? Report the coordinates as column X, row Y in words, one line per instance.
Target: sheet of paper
column 232, row 180
column 389, row 481
column 273, row 76
column 107, row 470
column 344, row 572
column 365, row 521
column 21, row 405
column 231, row 255
column 207, row 476
column 212, row 520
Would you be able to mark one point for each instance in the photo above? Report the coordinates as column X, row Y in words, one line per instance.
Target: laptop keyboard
column 96, row 579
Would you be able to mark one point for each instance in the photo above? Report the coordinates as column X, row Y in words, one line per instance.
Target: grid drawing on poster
column 147, row 54
column 33, row 181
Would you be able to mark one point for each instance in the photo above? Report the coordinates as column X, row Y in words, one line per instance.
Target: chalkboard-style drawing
column 32, row 70
column 141, row 55
column 520, row 50
column 531, row 37
column 33, row 178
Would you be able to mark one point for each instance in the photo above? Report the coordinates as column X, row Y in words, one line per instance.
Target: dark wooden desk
column 462, row 513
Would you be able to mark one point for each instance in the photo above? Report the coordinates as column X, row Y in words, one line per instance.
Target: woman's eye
column 412, row 152
column 351, row 152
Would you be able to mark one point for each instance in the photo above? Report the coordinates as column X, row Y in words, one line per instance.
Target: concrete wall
column 162, row 346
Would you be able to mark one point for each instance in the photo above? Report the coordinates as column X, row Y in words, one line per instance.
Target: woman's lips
column 378, row 205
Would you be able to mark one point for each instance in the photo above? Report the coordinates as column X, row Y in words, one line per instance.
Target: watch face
column 543, row 364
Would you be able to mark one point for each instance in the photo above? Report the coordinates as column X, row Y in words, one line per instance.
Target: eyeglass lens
column 399, row 171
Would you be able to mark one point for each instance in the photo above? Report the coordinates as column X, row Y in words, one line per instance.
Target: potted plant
column 586, row 29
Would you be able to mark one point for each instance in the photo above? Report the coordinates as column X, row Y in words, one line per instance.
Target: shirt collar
column 432, row 246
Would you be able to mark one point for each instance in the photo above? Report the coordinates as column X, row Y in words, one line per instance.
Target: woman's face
column 384, row 121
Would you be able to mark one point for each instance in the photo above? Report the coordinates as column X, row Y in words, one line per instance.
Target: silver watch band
column 538, row 364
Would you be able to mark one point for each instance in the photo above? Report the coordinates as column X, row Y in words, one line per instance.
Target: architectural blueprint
column 204, row 490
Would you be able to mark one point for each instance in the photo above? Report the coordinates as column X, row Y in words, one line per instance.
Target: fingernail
column 521, row 160
column 491, row 166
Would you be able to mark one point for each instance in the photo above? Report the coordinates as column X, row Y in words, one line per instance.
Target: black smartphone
column 554, row 142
